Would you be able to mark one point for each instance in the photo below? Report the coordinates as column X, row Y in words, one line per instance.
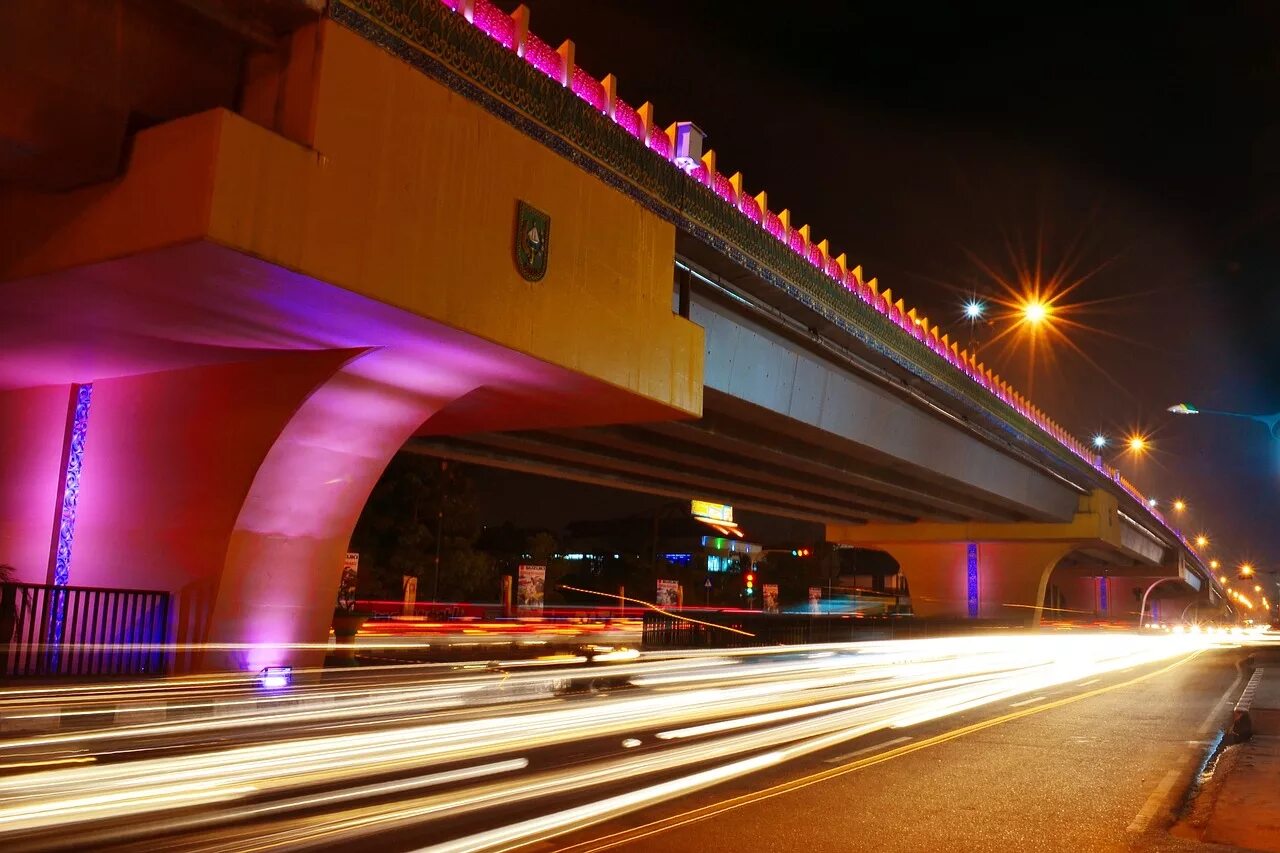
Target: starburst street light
column 974, row 309
column 1179, row 505
column 1137, row 444
column 1152, row 502
column 1034, row 311
column 1099, row 441
column 1202, row 541
column 1246, row 570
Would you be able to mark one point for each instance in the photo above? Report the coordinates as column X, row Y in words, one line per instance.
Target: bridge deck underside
column 739, row 453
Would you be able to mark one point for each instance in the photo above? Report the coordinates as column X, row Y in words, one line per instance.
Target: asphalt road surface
column 994, row 742
column 1094, row 765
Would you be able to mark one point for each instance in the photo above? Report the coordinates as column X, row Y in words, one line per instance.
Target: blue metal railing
column 51, row 631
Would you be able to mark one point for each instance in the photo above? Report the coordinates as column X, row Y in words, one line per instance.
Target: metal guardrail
column 51, row 631
column 670, row 631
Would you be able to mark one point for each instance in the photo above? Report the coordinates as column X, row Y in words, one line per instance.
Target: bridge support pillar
column 235, row 487
column 980, row 580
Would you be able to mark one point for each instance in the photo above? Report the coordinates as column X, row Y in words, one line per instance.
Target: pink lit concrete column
column 236, row 488
column 1011, row 577
column 1081, row 597
column 33, row 427
column 280, row 580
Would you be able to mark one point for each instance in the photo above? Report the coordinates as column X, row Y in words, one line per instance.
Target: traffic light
column 801, row 552
column 751, row 583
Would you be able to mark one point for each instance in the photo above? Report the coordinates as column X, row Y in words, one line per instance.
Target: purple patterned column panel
column 971, row 579
column 71, row 491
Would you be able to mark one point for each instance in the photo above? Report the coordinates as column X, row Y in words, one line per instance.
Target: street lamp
column 1099, row 441
column 1035, row 311
column 1246, row 570
column 1179, row 505
column 974, row 309
column 1202, row 541
column 1272, row 422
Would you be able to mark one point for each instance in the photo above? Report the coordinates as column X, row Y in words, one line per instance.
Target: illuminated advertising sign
column 529, row 587
column 712, row 511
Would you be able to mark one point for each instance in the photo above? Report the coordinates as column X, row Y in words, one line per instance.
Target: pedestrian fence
column 52, row 631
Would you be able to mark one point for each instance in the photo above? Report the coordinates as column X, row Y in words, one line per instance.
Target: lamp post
column 1142, row 610
column 1272, row 422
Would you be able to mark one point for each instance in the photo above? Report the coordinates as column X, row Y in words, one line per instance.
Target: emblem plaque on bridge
column 533, row 241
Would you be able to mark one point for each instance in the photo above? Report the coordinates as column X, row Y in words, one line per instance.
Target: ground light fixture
column 275, row 677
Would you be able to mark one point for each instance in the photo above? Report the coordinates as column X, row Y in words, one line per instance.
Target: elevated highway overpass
column 281, row 251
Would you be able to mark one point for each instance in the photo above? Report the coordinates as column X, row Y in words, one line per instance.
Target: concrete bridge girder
column 750, row 362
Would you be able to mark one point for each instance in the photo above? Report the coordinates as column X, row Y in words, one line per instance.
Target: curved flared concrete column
column 236, row 488
column 987, row 580
column 284, row 556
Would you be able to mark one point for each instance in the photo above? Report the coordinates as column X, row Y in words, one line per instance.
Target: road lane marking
column 1030, row 701
column 635, row 833
column 1090, row 681
column 1158, row 796
column 839, row 758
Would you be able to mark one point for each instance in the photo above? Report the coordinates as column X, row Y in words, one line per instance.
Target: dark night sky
column 1142, row 151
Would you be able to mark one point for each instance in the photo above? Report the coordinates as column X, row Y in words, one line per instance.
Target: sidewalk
column 1241, row 805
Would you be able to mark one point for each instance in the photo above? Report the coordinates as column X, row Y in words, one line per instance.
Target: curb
column 1241, row 722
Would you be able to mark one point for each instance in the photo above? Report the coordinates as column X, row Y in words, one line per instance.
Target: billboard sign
column 347, row 586
column 770, row 591
column 529, row 587
column 668, row 593
column 712, row 511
